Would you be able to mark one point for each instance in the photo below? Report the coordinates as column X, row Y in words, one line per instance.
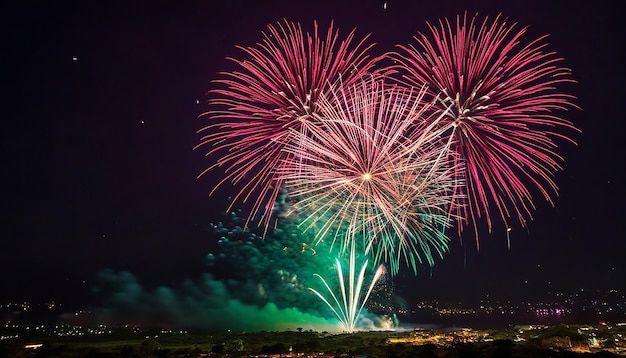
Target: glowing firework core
column 366, row 176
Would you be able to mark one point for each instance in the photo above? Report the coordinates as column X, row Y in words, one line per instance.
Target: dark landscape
column 519, row 341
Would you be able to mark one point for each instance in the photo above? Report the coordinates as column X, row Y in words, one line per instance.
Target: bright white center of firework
column 366, row 176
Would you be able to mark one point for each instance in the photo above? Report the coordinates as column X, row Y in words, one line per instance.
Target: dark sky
column 100, row 113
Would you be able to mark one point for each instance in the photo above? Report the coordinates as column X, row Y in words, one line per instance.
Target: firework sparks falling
column 503, row 97
column 357, row 174
column 273, row 92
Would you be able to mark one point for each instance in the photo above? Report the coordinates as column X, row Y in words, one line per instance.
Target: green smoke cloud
column 204, row 304
column 253, row 284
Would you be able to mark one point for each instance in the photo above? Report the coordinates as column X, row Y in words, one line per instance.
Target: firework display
column 384, row 161
column 502, row 96
column 274, row 90
column 355, row 173
column 353, row 300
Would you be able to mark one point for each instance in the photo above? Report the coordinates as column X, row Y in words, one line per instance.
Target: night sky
column 100, row 112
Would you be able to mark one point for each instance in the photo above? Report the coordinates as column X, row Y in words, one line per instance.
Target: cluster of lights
column 611, row 302
column 542, row 312
column 170, row 331
column 26, row 306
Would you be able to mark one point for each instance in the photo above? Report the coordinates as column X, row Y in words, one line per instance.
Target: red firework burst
column 274, row 91
column 503, row 99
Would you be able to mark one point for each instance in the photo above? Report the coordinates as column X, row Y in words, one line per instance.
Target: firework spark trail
column 350, row 307
column 356, row 173
column 271, row 94
column 503, row 95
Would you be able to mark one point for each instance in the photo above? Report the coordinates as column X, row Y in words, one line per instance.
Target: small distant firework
column 353, row 297
column 272, row 93
column 502, row 96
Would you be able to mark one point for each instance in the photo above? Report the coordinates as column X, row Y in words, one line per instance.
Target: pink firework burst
column 503, row 97
column 274, row 91
column 355, row 173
